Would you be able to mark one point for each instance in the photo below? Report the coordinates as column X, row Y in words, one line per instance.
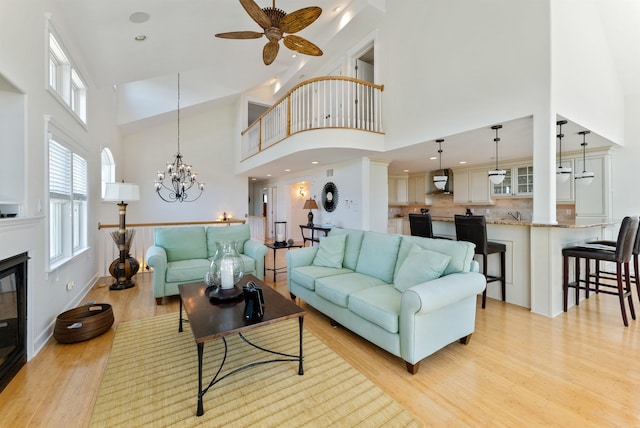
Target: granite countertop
column 529, row 223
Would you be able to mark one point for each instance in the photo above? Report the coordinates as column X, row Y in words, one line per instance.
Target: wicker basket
column 83, row 323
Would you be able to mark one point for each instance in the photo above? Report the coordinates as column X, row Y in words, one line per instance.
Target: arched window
column 108, row 168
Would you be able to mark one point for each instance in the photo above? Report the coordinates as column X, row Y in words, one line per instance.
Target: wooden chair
column 620, row 255
column 473, row 228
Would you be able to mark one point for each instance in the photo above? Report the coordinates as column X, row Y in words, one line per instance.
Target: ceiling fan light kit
column 275, row 23
column 497, row 175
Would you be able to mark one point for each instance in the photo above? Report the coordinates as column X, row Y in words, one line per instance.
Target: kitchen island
column 534, row 257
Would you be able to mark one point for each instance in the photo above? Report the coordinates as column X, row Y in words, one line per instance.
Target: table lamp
column 310, row 204
column 125, row 266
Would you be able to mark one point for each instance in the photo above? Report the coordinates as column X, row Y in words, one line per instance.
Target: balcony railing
column 326, row 102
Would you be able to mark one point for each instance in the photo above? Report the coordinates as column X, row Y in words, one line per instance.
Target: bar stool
column 634, row 254
column 421, row 225
column 473, row 228
column 620, row 255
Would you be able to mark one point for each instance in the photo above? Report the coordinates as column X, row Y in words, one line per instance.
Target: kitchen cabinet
column 398, row 190
column 394, row 225
column 518, row 182
column 471, row 187
column 417, row 189
column 594, row 199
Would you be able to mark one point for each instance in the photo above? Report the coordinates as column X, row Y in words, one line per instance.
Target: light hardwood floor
column 520, row 369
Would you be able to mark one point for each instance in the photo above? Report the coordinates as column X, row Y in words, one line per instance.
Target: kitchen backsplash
column 442, row 206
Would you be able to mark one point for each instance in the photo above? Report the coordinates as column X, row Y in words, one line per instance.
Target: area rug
column 151, row 380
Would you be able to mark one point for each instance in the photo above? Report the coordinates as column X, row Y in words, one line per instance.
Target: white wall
column 207, row 141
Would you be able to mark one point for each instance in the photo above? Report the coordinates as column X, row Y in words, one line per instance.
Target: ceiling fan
column 275, row 23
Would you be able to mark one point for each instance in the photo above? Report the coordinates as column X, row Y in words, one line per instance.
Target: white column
column 544, row 162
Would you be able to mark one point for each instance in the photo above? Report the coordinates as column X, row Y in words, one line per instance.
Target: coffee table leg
column 200, row 410
column 300, row 368
column 180, row 327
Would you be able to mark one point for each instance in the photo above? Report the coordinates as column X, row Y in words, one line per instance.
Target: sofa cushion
column 352, row 245
column 379, row 305
column 306, row 276
column 419, row 266
column 461, row 252
column 330, row 251
column 187, row 270
column 182, row 243
column 378, row 255
column 236, row 232
column 337, row 288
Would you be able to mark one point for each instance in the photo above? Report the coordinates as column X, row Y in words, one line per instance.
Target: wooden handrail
column 308, row 82
column 176, row 223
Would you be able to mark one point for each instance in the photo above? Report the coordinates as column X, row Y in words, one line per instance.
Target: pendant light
column 440, row 181
column 497, row 175
column 562, row 173
column 586, row 177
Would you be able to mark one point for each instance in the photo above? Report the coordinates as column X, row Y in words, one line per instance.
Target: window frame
column 68, row 199
column 67, row 86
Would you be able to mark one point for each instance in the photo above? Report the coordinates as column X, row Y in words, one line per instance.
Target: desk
column 275, row 249
column 313, row 228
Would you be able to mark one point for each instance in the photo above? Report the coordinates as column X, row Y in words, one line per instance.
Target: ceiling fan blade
column 296, row 21
column 240, row 35
column 256, row 13
column 270, row 52
column 304, row 46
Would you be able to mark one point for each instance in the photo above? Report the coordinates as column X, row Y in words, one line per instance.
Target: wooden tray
column 83, row 323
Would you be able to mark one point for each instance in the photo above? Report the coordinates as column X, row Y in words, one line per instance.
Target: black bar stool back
column 620, row 254
column 473, row 228
column 421, row 225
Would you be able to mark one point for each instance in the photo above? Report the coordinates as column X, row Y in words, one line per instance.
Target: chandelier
column 180, row 177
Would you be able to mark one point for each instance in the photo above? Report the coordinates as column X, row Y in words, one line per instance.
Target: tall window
column 67, row 202
column 108, row 168
column 65, row 80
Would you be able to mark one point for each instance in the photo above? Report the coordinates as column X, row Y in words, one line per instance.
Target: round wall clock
column 330, row 197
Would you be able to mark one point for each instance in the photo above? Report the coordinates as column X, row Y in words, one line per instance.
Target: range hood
column 448, row 188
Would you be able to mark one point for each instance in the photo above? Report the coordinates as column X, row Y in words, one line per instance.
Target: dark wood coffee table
column 209, row 322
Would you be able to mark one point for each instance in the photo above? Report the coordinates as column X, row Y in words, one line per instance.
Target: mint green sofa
column 358, row 287
column 183, row 254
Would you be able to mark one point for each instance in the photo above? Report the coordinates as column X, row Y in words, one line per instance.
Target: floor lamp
column 125, row 266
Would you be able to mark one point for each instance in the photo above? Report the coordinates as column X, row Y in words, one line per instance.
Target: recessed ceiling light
column 140, row 38
column 405, row 170
column 253, row 179
column 139, row 17
column 462, row 162
column 294, row 56
column 433, row 158
column 268, row 175
column 314, row 162
column 287, row 170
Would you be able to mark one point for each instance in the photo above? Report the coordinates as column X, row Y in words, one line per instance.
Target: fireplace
column 13, row 316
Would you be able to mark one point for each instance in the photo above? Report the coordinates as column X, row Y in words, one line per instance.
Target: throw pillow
column 331, row 251
column 421, row 265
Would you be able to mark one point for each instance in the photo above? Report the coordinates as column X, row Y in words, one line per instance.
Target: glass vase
column 226, row 268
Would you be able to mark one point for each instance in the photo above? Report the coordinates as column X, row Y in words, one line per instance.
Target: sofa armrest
column 157, row 259
column 444, row 291
column 257, row 251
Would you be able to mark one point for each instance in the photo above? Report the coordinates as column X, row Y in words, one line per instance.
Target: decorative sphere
column 290, row 242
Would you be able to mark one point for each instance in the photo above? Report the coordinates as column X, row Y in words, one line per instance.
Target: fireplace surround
column 13, row 316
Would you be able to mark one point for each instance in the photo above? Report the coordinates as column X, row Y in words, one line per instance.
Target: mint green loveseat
column 359, row 288
column 183, row 254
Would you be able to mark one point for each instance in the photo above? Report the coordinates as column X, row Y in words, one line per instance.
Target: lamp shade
column 563, row 174
column 440, row 181
column 585, row 178
column 497, row 175
column 121, row 192
column 310, row 204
